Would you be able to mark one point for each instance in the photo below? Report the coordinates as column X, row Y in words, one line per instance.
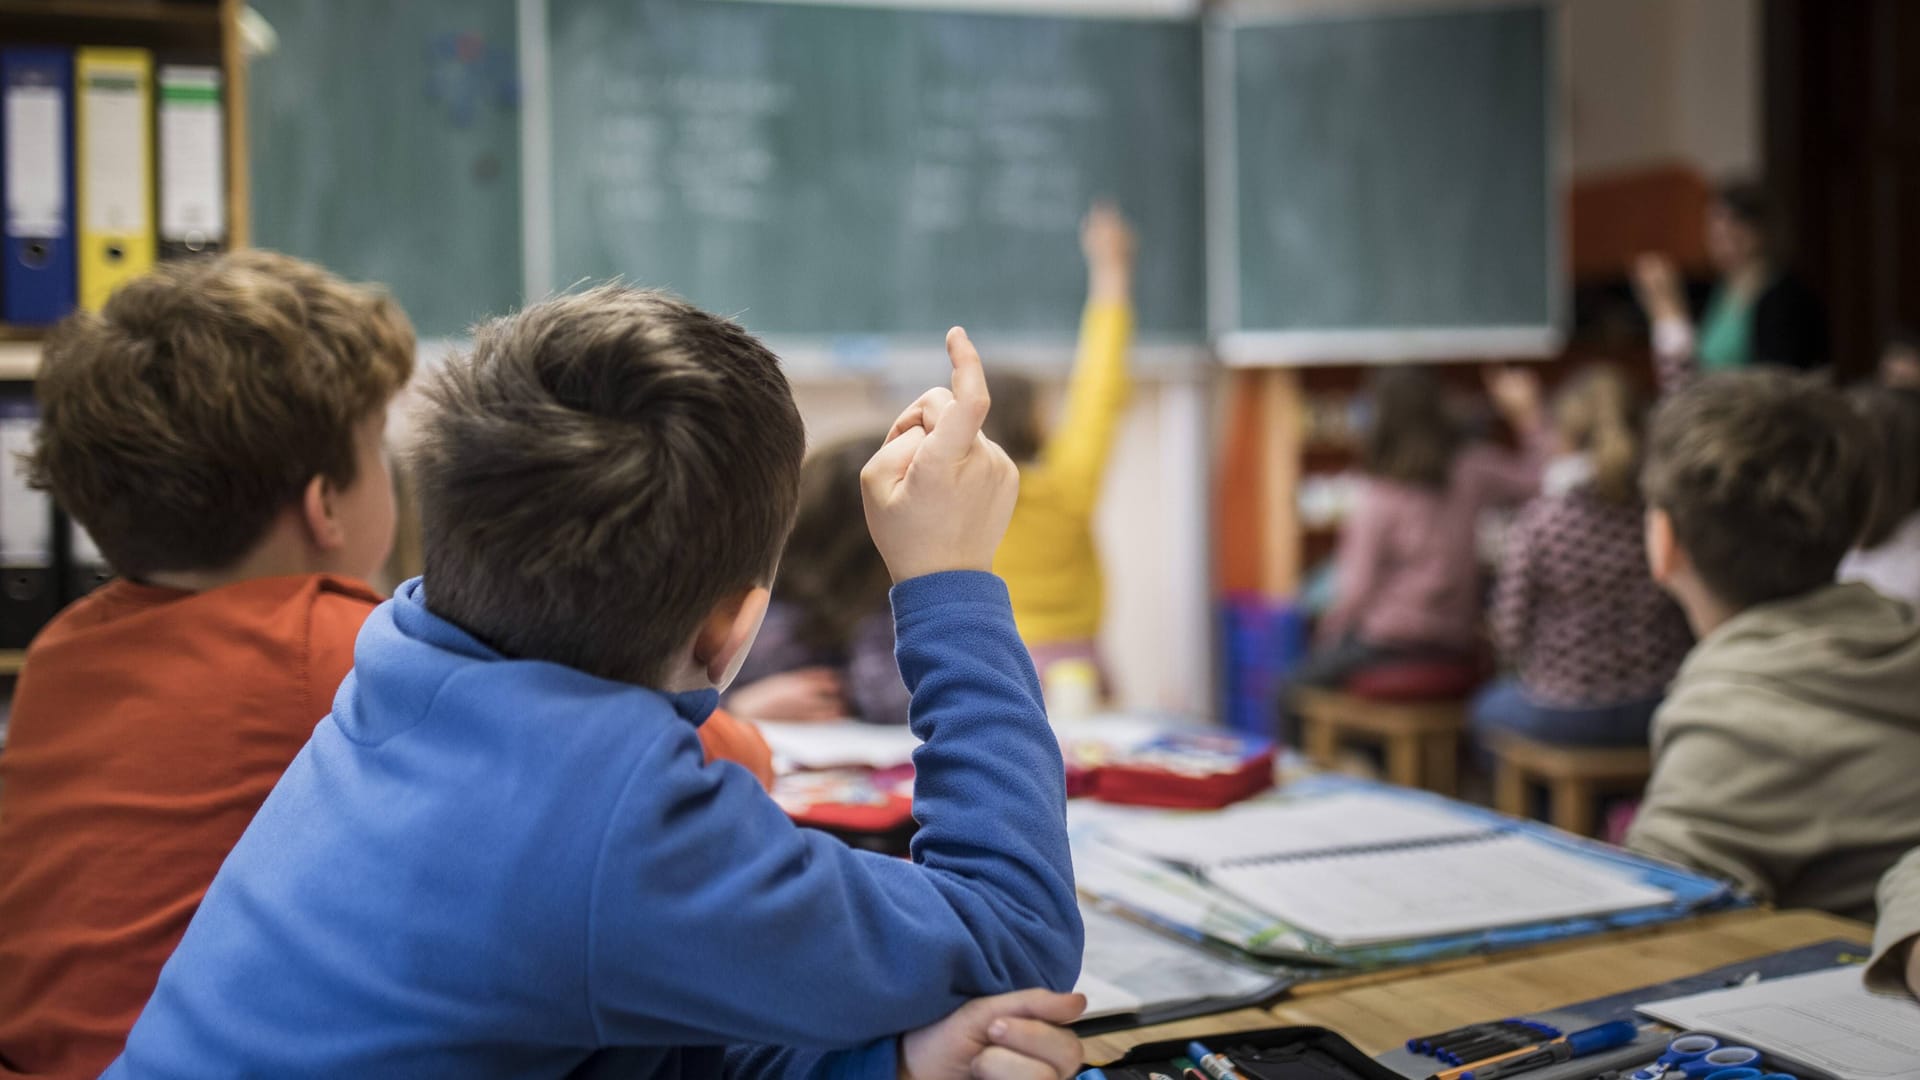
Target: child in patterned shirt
column 1591, row 640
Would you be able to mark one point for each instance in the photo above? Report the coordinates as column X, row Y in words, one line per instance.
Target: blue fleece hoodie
column 488, row 867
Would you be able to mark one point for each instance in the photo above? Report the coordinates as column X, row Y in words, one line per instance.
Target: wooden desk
column 1381, row 1011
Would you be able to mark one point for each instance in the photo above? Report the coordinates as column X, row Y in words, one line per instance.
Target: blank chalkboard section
column 385, row 146
column 826, row 171
column 1392, row 172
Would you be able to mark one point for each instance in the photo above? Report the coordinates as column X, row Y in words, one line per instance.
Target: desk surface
column 1381, row 1011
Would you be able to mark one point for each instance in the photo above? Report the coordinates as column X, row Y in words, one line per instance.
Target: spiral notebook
column 1368, row 895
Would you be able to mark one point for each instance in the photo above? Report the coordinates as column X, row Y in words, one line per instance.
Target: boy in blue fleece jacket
column 502, row 854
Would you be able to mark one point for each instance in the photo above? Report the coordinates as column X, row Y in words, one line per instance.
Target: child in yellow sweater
column 1048, row 558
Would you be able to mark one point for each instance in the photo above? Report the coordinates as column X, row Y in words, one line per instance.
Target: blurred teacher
column 1759, row 313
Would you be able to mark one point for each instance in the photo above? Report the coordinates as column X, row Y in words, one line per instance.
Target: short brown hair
column 1412, row 438
column 178, row 420
column 1892, row 419
column 831, row 571
column 1014, row 423
column 604, row 469
column 1764, row 475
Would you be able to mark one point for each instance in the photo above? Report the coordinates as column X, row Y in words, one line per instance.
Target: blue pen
column 1091, row 1074
column 1216, row 1065
column 1594, row 1040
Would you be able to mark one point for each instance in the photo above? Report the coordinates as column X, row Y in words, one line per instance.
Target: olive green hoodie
column 1787, row 754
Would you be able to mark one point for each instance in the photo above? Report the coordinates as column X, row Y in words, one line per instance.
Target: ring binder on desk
column 37, row 283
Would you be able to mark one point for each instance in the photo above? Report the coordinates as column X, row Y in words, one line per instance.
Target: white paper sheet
column 840, row 744
column 1265, row 830
column 1421, row 892
column 1128, row 967
column 1828, row 1021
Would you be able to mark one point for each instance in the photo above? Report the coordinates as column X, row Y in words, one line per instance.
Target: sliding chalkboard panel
column 385, row 145
column 1388, row 187
column 828, row 171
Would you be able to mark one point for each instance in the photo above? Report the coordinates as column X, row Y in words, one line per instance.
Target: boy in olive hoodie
column 1785, row 754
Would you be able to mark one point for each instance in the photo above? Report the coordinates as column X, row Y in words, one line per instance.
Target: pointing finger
column 952, row 436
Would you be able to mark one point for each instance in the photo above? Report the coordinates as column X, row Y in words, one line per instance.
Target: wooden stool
column 1421, row 738
column 1574, row 776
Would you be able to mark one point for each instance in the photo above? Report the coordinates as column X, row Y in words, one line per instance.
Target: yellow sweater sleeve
column 1076, row 454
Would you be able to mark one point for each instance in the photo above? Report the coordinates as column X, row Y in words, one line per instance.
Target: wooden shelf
column 148, row 12
column 185, row 27
column 12, row 661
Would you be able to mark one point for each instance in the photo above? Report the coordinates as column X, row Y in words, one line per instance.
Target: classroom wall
column 1656, row 81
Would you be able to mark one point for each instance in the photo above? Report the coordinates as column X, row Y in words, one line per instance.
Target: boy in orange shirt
column 218, row 429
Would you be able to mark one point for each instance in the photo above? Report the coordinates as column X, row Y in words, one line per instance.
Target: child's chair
column 1415, row 711
column 1575, row 777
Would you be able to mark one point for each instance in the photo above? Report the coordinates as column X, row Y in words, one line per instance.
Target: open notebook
column 1366, row 868
column 1370, row 896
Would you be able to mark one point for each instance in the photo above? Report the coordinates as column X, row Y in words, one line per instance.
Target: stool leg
column 1573, row 808
column 1443, row 763
column 1403, row 760
column 1509, row 789
column 1320, row 739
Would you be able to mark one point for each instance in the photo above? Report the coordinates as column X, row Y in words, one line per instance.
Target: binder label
column 36, row 163
column 116, row 142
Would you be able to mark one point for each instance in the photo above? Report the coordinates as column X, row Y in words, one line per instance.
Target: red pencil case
column 1183, row 770
column 872, row 801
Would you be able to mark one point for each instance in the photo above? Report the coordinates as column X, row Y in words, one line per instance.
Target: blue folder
column 37, row 278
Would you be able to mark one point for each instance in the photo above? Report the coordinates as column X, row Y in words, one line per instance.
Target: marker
column 1216, row 1065
column 1427, row 1042
column 1579, row 1044
column 1187, row 1069
column 1091, row 1074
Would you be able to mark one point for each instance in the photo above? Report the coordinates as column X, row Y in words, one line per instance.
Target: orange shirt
column 147, row 729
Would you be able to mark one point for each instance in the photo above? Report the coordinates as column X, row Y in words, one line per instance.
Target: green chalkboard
column 385, row 145
column 1392, row 172
column 830, row 171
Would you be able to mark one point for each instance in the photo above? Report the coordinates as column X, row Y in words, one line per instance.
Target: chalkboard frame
column 1252, row 347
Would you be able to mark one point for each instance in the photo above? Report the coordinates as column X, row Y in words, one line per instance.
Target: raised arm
column 832, row 947
column 1078, row 450
column 1656, row 284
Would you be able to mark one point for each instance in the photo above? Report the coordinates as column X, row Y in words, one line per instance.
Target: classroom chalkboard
column 824, row 171
column 385, row 145
column 1389, row 180
column 1355, row 185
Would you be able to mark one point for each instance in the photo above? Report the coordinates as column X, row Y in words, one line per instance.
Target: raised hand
column 1656, row 283
column 1108, row 243
column 1009, row 1037
column 938, row 493
column 1516, row 394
